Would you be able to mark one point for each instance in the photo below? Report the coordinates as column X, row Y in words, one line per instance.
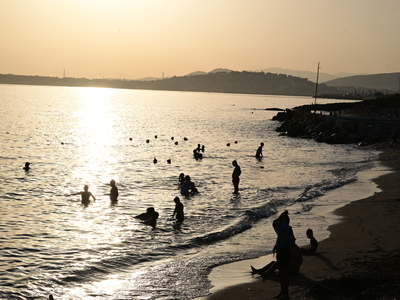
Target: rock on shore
column 334, row 129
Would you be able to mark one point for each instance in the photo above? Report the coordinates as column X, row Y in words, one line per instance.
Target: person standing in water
column 259, row 153
column 178, row 211
column 113, row 192
column 85, row 195
column 235, row 176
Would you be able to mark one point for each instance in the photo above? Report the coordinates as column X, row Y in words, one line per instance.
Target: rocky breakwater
column 333, row 128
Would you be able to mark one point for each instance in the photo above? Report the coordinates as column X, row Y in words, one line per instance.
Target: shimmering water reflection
column 50, row 243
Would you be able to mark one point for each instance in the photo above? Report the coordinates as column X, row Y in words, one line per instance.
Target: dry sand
column 360, row 259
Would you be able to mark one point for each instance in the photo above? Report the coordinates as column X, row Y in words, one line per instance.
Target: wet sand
column 360, row 259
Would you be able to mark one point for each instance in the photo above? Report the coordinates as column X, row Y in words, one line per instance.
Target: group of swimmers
column 197, row 152
column 149, row 217
column 187, row 186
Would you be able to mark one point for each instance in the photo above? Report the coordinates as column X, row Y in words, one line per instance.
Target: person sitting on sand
column 153, row 220
column 178, row 211
column 294, row 267
column 312, row 249
column 147, row 215
column 85, row 195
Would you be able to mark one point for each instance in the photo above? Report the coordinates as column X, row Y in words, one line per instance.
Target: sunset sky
column 134, row 39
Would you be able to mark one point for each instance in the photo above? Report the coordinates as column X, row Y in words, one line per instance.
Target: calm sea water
column 51, row 244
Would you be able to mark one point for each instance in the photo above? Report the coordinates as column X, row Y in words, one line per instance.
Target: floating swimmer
column 27, row 168
column 147, row 215
column 153, row 220
column 155, row 160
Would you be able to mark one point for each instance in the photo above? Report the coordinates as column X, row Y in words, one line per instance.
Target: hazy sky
column 139, row 38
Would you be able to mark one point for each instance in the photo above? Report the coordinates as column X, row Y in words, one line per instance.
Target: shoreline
column 350, row 262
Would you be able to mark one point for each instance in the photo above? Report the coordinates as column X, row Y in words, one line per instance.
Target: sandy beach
column 360, row 259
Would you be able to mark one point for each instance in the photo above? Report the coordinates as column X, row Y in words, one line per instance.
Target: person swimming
column 153, row 220
column 147, row 215
column 188, row 187
column 27, row 168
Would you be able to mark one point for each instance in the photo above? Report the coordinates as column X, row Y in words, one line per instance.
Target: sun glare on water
column 95, row 133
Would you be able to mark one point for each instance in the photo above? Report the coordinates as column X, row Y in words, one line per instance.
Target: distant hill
column 196, row 73
column 312, row 76
column 227, row 81
column 386, row 81
column 220, row 70
column 218, row 81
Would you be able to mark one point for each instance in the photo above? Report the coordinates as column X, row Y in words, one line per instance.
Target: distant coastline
column 220, row 82
column 226, row 81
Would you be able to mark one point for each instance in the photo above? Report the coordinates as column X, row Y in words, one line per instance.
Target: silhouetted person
column 284, row 241
column 312, row 249
column 235, row 176
column 395, row 137
column 296, row 260
column 27, row 168
column 147, row 215
column 85, row 195
column 178, row 211
column 181, row 178
column 259, row 153
column 188, row 187
column 113, row 192
column 197, row 155
column 153, row 220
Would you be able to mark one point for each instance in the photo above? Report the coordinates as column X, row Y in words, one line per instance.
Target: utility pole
column 316, row 85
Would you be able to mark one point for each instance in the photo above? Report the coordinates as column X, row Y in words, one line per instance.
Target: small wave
column 319, row 189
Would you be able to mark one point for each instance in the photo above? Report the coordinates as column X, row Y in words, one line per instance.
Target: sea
column 74, row 136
